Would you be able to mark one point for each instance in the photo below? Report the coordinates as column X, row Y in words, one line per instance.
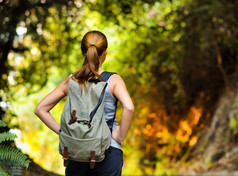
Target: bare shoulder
column 116, row 80
column 116, row 84
column 116, row 77
column 63, row 86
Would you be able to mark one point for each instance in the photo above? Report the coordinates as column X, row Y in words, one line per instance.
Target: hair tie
column 92, row 45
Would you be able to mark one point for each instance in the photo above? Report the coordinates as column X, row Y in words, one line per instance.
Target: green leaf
column 14, row 155
column 3, row 124
column 7, row 136
column 2, row 173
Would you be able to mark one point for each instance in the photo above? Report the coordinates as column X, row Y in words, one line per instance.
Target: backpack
column 84, row 133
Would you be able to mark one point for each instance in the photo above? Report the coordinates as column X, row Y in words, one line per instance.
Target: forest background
column 177, row 58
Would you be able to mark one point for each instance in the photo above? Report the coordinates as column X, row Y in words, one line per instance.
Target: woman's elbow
column 37, row 111
column 129, row 108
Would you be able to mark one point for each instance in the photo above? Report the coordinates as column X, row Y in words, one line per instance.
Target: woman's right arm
column 120, row 91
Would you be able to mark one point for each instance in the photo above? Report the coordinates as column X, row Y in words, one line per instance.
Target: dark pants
column 110, row 166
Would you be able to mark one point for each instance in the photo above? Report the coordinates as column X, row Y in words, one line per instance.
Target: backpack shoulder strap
column 105, row 75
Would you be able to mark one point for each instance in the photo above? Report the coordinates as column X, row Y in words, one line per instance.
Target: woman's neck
column 100, row 70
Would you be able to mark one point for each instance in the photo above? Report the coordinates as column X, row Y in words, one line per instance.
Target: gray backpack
column 84, row 133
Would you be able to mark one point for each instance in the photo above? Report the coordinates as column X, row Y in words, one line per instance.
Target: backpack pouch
column 80, row 149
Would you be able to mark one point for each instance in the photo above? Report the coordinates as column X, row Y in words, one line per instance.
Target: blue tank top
column 110, row 110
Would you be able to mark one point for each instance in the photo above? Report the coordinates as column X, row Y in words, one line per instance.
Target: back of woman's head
column 93, row 46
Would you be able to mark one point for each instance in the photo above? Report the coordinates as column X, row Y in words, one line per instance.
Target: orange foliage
column 154, row 138
column 163, row 133
column 185, row 126
column 184, row 131
column 194, row 115
column 148, row 130
column 193, row 141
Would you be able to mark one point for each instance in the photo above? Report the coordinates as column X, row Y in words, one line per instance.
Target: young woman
column 94, row 49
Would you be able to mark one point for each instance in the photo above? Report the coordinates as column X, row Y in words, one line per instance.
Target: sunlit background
column 177, row 58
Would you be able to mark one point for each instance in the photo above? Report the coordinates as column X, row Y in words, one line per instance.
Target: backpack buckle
column 93, row 160
column 89, row 124
column 73, row 118
column 72, row 121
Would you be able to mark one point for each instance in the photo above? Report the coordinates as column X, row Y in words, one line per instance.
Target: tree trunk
column 217, row 149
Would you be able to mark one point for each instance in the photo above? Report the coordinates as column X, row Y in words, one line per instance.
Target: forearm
column 48, row 120
column 126, row 119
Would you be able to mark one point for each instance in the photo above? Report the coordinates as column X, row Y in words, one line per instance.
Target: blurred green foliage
column 175, row 57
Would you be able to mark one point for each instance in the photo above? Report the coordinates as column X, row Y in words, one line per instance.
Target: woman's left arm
column 43, row 108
